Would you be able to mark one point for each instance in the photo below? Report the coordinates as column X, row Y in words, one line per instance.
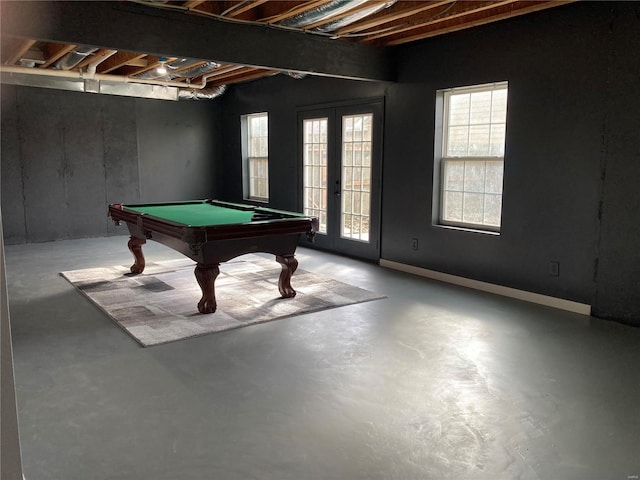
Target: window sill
column 467, row 229
column 264, row 201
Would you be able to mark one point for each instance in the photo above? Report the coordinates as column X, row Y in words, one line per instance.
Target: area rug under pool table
column 160, row 305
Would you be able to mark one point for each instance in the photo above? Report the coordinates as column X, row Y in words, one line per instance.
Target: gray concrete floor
column 433, row 382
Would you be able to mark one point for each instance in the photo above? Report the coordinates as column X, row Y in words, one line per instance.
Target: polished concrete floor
column 432, row 382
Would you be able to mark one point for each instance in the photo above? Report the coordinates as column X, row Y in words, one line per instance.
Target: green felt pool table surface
column 203, row 213
column 195, row 214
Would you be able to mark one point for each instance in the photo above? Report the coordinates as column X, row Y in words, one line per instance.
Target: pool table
column 211, row 232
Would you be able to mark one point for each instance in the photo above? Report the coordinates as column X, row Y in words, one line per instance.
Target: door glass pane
column 315, row 170
column 356, row 151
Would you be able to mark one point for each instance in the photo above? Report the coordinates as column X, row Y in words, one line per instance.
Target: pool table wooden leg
column 206, row 277
column 135, row 246
column 289, row 265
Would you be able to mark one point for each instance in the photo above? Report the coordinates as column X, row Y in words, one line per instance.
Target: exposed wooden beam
column 143, row 28
column 481, row 21
column 118, row 60
column 446, row 18
column 220, row 71
column 242, row 74
column 153, row 61
column 306, row 7
column 376, row 21
column 55, row 51
column 137, row 62
column 353, row 11
column 193, row 3
column 25, row 45
column 245, row 8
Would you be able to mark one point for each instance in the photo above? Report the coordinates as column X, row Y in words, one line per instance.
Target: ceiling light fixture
column 162, row 70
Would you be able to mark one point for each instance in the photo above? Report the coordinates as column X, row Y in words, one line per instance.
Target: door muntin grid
column 355, row 183
column 314, row 147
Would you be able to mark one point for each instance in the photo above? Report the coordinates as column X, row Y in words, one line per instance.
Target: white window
column 256, row 156
column 472, row 156
column 314, row 158
column 357, row 143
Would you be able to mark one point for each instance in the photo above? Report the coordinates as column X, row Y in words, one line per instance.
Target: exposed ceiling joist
column 135, row 27
column 392, row 16
column 209, row 44
column 353, row 11
column 420, row 22
column 241, row 8
column 473, row 19
column 119, row 60
column 297, row 10
column 55, row 51
column 25, row 45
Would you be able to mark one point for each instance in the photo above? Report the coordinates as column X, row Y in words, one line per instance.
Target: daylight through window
column 472, row 164
column 258, row 156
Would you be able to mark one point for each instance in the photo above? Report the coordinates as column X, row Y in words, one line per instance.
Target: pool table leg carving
column 135, row 246
column 289, row 265
column 206, row 277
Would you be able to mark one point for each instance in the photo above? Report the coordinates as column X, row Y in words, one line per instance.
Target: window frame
column 248, row 161
column 441, row 159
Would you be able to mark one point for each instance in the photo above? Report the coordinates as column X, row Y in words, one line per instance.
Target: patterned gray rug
column 160, row 305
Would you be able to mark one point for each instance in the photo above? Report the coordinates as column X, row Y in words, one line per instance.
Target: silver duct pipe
column 87, row 85
column 199, row 70
column 343, row 22
column 175, row 65
column 98, row 76
column 295, row 75
column 335, row 7
column 109, row 84
column 74, row 57
column 204, row 94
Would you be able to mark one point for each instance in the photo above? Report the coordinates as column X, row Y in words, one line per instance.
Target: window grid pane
column 472, row 192
column 314, row 162
column 357, row 143
column 258, row 177
column 476, row 122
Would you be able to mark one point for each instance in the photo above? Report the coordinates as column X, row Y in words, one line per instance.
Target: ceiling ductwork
column 196, row 71
column 348, row 20
column 295, row 75
column 333, row 8
column 204, row 94
column 179, row 69
column 89, row 82
column 63, row 57
column 74, row 57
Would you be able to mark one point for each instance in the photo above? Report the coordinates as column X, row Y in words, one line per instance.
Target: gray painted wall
column 572, row 151
column 618, row 269
column 176, row 149
column 555, row 63
column 573, row 102
column 66, row 155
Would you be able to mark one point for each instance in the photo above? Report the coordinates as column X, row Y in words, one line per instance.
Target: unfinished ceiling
column 194, row 49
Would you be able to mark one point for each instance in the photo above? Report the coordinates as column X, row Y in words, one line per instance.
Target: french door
column 341, row 156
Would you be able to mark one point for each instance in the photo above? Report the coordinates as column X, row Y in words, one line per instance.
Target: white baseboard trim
column 554, row 302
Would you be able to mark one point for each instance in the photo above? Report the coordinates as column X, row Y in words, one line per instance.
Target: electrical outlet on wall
column 414, row 244
column 554, row 269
